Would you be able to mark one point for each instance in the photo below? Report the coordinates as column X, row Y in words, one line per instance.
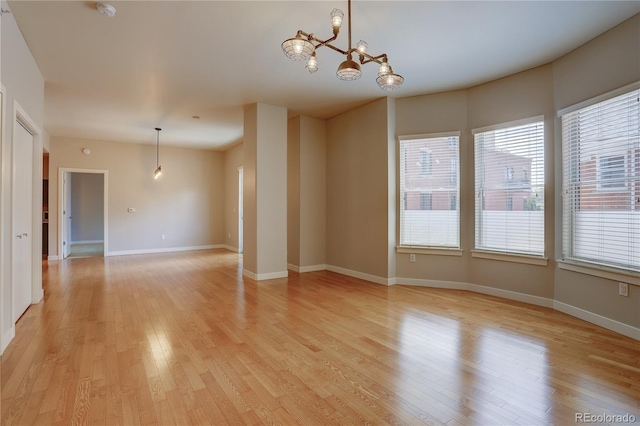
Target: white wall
column 87, row 207
column 24, row 84
column 186, row 203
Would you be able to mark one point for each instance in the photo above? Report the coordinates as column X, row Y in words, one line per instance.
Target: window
column 429, row 214
column 425, row 202
column 611, row 172
column 601, row 180
column 453, row 174
column 503, row 225
column 425, row 162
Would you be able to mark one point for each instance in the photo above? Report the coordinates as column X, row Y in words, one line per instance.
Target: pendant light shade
column 389, row 81
column 158, row 171
column 349, row 70
column 297, row 48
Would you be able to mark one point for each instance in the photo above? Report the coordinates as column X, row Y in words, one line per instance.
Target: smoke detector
column 106, row 9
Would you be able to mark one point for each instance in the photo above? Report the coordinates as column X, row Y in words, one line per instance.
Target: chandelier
column 303, row 47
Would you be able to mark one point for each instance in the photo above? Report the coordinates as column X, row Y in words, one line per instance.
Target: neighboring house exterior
column 432, row 172
column 618, row 181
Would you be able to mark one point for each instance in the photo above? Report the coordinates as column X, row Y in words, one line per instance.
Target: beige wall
column 232, row 160
column 523, row 95
column 438, row 113
column 306, row 187
column 358, row 190
column 23, row 83
column 293, row 192
column 184, row 204
column 608, row 62
column 265, row 191
column 87, row 207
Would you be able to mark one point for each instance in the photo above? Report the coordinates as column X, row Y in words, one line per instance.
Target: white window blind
column 509, row 184
column 601, row 183
column 429, row 176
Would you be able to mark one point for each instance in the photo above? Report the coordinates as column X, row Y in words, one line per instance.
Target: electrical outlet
column 163, row 236
column 412, row 257
column 623, row 289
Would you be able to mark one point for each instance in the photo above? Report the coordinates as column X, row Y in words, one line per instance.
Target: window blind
column 601, row 182
column 429, row 176
column 509, row 185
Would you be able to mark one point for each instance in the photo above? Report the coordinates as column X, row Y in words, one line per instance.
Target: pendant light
column 158, row 171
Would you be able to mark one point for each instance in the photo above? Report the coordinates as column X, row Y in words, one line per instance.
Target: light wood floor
column 182, row 338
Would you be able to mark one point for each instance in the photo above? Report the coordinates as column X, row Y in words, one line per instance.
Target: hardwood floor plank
column 184, row 338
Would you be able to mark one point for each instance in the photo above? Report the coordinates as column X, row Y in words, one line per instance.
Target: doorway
column 240, row 209
column 82, row 213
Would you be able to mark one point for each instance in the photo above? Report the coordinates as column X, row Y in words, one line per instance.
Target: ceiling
column 159, row 63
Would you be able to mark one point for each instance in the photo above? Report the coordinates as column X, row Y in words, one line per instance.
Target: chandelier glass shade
column 304, row 45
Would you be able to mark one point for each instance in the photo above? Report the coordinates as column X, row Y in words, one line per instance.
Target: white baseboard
column 54, row 257
column 511, row 295
column 453, row 285
column 39, row 297
column 303, row 269
column 87, row 242
column 265, row 276
column 7, row 338
column 362, row 275
column 596, row 319
column 230, row 248
column 164, row 250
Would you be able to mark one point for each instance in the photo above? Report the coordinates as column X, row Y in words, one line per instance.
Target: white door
column 240, row 209
column 66, row 214
column 22, row 220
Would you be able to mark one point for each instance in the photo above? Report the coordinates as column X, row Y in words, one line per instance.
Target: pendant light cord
column 158, row 146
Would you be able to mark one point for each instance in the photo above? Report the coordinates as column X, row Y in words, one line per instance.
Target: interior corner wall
column 358, row 190
column 184, row 204
column 313, row 192
column 392, row 187
column 293, row 192
column 23, row 83
column 232, row 161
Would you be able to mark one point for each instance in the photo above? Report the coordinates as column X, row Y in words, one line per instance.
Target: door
column 21, row 275
column 66, row 214
column 240, row 208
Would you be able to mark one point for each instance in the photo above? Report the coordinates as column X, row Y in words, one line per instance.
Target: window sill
column 507, row 257
column 600, row 271
column 429, row 250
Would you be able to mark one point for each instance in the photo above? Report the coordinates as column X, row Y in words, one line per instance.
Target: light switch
column 131, row 210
